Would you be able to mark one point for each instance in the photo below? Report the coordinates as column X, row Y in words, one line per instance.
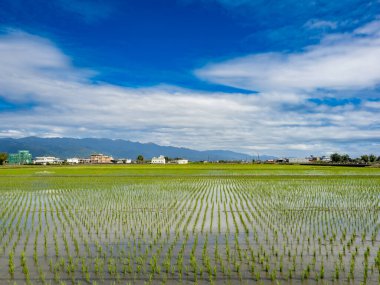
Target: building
column 299, row 160
column 73, row 160
column 45, row 160
column 182, row 161
column 22, row 157
column 123, row 161
column 100, row 158
column 158, row 160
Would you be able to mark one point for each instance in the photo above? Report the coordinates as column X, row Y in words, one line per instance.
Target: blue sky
column 277, row 77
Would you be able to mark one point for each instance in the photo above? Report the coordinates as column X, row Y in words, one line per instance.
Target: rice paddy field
column 189, row 224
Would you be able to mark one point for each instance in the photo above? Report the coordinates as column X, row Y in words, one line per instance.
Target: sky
column 283, row 78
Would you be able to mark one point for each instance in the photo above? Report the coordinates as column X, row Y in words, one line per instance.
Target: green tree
column 335, row 157
column 365, row 158
column 3, row 157
column 372, row 158
column 345, row 158
column 140, row 159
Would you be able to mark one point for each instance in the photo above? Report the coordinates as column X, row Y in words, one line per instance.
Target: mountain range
column 72, row 147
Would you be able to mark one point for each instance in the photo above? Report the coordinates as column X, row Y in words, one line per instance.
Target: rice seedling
column 199, row 229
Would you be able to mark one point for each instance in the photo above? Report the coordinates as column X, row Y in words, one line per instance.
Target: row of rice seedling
column 201, row 229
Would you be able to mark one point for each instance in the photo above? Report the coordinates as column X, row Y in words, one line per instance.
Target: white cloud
column 66, row 103
column 320, row 24
column 372, row 104
column 371, row 29
column 339, row 62
column 11, row 133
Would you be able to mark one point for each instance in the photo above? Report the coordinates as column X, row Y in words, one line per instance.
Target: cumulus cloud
column 339, row 62
column 65, row 102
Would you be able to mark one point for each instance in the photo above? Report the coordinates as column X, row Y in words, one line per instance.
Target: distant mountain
column 70, row 147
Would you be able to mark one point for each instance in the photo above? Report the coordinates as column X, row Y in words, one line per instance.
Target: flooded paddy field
column 189, row 224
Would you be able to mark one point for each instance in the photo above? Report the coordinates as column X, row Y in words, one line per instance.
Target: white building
column 182, row 161
column 158, row 160
column 299, row 160
column 44, row 160
column 124, row 161
column 73, row 160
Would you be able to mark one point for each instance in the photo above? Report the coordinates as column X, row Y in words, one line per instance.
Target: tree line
column 345, row 158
